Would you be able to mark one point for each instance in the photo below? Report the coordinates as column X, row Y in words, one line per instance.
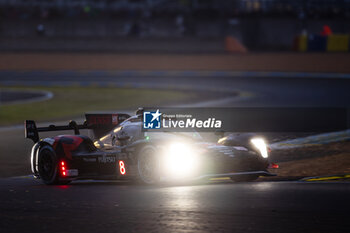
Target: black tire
column 48, row 166
column 244, row 178
column 148, row 165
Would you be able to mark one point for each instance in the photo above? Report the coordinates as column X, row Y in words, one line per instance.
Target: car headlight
column 180, row 160
column 260, row 144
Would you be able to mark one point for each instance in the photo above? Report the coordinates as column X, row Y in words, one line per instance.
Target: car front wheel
column 148, row 165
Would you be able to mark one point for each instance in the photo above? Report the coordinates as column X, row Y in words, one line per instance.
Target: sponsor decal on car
column 106, row 159
column 89, row 159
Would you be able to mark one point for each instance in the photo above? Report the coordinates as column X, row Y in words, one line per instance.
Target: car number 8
column 122, row 167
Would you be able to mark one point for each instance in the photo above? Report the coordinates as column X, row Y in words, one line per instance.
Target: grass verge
column 329, row 159
column 75, row 101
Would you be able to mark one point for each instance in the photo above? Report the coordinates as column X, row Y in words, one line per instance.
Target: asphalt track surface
column 257, row 91
column 28, row 206
column 90, row 206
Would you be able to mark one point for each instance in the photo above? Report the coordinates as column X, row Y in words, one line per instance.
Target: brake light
column 63, row 168
column 273, row 165
column 122, row 167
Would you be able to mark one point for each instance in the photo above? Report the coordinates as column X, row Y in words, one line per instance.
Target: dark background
column 258, row 24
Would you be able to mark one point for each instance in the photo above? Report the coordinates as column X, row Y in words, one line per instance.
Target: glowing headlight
column 260, row 144
column 179, row 160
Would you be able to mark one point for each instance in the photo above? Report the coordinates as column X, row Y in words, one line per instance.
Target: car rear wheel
column 48, row 166
column 148, row 165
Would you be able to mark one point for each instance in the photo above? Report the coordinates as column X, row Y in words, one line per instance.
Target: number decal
column 122, row 167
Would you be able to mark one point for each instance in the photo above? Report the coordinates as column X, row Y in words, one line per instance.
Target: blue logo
column 151, row 120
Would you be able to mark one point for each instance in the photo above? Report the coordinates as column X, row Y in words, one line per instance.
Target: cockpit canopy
column 130, row 131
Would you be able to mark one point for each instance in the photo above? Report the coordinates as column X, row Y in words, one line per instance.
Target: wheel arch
column 34, row 156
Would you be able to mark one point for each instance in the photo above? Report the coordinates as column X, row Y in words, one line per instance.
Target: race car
column 119, row 149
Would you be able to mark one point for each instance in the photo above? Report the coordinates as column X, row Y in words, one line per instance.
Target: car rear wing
column 100, row 123
column 32, row 132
